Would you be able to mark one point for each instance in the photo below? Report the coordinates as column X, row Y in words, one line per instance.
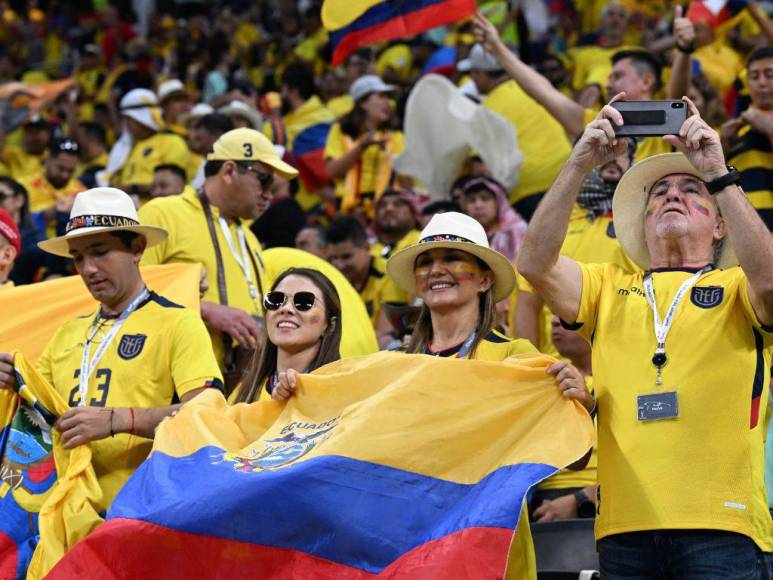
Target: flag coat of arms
column 393, row 465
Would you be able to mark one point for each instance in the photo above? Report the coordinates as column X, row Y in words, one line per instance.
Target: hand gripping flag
column 357, row 23
column 47, row 494
column 390, row 465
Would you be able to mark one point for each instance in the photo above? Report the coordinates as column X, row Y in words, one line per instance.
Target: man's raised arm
column 556, row 278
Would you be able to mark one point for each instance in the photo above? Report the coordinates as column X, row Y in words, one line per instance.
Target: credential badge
column 707, row 296
column 131, row 345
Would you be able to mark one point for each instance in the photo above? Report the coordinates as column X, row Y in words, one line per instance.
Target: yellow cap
column 245, row 144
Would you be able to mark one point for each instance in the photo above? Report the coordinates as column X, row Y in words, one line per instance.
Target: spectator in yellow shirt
column 168, row 179
column 360, row 147
column 53, row 191
column 395, row 223
column 27, row 160
column 175, row 101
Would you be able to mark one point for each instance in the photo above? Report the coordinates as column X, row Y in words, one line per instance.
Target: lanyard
column 87, row 367
column 243, row 259
column 662, row 327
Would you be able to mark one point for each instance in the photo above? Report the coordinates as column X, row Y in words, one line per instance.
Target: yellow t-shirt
column 161, row 352
column 370, row 174
column 592, row 64
column 157, row 149
column 189, row 241
column 43, row 195
column 704, row 469
column 586, row 241
column 21, row 165
column 379, row 250
column 340, row 105
column 720, row 64
column 650, row 146
column 380, row 288
column 753, row 157
column 541, row 138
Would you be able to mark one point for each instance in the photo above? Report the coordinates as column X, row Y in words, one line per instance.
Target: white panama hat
column 99, row 210
column 630, row 203
column 457, row 231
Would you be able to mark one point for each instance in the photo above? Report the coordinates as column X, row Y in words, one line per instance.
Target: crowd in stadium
column 219, row 132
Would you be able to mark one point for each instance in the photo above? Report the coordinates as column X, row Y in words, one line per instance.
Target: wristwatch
column 585, row 506
column 732, row 177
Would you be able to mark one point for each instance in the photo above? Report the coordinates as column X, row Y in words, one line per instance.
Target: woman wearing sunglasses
column 459, row 279
column 303, row 333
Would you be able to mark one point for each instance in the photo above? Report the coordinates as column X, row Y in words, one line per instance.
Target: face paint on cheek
column 650, row 208
column 701, row 205
column 422, row 276
column 315, row 319
column 462, row 272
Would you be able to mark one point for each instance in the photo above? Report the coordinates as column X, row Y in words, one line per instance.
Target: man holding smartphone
column 681, row 354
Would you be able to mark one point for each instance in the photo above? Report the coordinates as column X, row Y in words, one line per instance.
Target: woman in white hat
column 360, row 147
column 460, row 278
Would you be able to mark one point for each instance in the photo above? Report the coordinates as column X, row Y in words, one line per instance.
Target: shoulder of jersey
column 498, row 338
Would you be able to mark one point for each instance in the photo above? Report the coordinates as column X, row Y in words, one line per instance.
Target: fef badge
column 131, row 345
column 707, row 296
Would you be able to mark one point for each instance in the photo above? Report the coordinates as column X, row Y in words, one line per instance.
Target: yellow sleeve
column 390, row 292
column 522, row 284
column 151, row 215
column 398, row 143
column 334, row 146
column 746, row 301
column 193, row 363
column 592, row 280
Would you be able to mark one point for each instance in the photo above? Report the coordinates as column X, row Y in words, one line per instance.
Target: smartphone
column 650, row 118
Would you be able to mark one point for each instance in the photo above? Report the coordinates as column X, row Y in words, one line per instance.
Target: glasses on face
column 265, row 179
column 303, row 301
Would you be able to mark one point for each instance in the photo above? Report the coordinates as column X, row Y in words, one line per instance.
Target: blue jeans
column 683, row 555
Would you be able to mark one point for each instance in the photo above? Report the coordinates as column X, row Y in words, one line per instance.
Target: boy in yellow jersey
column 129, row 365
column 206, row 226
column 681, row 355
column 27, row 160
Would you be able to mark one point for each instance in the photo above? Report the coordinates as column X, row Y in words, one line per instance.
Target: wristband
column 585, row 506
column 732, row 177
column 685, row 49
column 112, row 433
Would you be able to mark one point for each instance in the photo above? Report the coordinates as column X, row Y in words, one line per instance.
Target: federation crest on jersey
column 131, row 345
column 295, row 441
column 707, row 296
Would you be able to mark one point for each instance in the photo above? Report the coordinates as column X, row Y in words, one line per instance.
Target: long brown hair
column 353, row 122
column 263, row 363
column 422, row 331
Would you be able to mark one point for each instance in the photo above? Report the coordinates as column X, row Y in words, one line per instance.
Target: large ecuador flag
column 47, row 494
column 356, row 23
column 390, row 465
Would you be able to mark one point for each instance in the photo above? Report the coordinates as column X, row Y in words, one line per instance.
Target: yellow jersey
column 704, row 468
column 189, row 241
column 541, row 138
column 20, row 164
column 340, row 105
column 591, row 241
column 380, row 288
column 161, row 352
column 43, row 195
column 373, row 171
column 381, row 250
column 752, row 155
column 145, row 155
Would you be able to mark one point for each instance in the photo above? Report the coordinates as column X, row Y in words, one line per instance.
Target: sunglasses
column 265, row 179
column 303, row 301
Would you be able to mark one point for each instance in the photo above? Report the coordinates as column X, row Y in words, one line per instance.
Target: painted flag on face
column 356, row 23
column 390, row 465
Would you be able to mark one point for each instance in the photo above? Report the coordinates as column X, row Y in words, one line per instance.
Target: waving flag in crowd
column 391, row 464
column 308, row 155
column 46, row 493
column 357, row 23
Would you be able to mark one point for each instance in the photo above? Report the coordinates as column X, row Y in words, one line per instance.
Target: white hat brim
column 630, row 203
column 60, row 247
column 400, row 266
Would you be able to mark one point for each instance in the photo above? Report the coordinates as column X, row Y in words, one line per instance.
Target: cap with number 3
column 250, row 145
